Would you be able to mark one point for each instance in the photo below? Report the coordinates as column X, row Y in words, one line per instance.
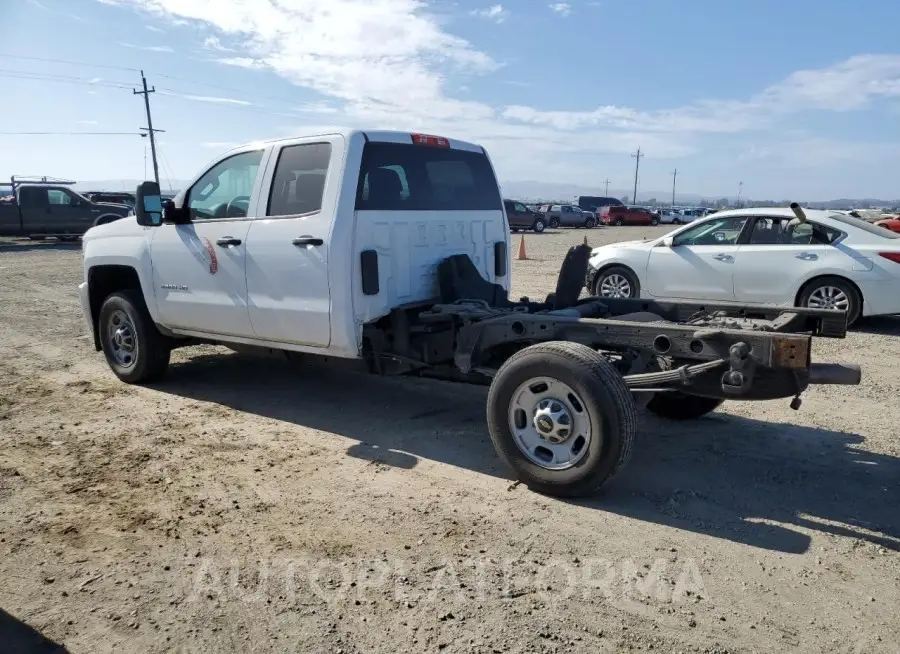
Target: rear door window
column 399, row 177
column 299, row 182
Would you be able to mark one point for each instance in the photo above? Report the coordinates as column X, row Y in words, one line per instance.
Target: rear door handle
column 307, row 240
column 807, row 256
column 227, row 241
column 723, row 257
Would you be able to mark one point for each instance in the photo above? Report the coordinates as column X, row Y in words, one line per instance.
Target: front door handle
column 228, row 241
column 807, row 256
column 723, row 257
column 307, row 240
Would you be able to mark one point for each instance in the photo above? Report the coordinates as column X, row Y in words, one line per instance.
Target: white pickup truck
column 390, row 250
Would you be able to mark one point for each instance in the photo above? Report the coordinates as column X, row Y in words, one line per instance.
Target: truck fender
column 107, row 218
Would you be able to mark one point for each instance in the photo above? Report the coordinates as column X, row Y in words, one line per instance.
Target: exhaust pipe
column 835, row 373
column 798, row 212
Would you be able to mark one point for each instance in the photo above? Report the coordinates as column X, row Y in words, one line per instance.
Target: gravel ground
column 255, row 506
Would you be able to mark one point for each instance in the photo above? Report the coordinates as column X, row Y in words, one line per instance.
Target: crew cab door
column 288, row 245
column 68, row 212
column 199, row 266
column 700, row 263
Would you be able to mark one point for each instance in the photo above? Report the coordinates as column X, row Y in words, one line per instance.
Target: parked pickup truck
column 390, row 251
column 40, row 207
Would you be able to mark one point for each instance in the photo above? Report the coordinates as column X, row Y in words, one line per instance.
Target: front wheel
column 134, row 348
column 832, row 293
column 676, row 405
column 590, row 223
column 675, row 221
column 538, row 226
column 654, row 222
column 562, row 417
column 554, row 223
column 617, row 282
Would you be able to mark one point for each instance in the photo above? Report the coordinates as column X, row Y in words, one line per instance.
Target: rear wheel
column 554, row 223
column 676, row 405
column 134, row 348
column 675, row 221
column 562, row 417
column 619, row 222
column 539, row 226
column 832, row 293
column 654, row 221
column 590, row 223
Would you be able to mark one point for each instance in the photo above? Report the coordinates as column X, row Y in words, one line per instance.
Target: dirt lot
column 252, row 505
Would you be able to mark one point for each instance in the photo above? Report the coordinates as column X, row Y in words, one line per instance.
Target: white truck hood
column 126, row 226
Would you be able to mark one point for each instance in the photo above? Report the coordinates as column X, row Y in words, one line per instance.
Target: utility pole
column 674, row 177
column 149, row 129
column 740, row 192
column 637, row 167
column 607, row 188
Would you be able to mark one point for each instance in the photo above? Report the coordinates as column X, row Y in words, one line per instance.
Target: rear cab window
column 299, row 182
column 401, row 177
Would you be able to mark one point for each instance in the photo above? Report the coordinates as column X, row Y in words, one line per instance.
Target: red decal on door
column 213, row 260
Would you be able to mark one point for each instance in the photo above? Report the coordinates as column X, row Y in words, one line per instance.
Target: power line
column 66, row 79
column 71, row 134
column 67, row 61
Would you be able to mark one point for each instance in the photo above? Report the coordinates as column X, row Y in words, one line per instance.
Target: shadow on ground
column 22, row 245
column 734, row 478
column 883, row 325
column 16, row 637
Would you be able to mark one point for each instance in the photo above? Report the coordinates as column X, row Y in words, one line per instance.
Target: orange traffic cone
column 522, row 256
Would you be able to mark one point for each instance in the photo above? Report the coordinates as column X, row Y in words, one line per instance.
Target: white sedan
column 760, row 256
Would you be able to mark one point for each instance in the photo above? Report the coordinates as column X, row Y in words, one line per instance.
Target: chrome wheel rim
column 828, row 297
column 549, row 423
column 615, row 286
column 122, row 339
column 539, row 226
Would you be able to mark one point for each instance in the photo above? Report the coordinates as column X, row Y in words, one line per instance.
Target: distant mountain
column 124, row 185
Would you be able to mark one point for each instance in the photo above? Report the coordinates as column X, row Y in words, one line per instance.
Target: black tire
column 36, row 238
column 675, row 405
column 150, row 350
column 514, row 230
column 590, row 223
column 604, row 398
column 855, row 301
column 654, row 221
column 539, row 226
column 675, row 221
column 554, row 223
column 67, row 239
column 627, row 273
column 619, row 222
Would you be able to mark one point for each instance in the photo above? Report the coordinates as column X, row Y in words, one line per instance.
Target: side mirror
column 669, row 241
column 148, row 208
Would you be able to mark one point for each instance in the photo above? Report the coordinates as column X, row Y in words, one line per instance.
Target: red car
column 620, row 215
column 892, row 224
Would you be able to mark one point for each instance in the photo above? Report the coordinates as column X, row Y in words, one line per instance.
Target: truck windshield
column 398, row 177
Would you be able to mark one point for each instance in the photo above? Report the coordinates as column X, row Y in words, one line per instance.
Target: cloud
column 213, row 43
column 495, row 12
column 217, row 100
column 148, row 48
column 335, row 50
column 153, row 28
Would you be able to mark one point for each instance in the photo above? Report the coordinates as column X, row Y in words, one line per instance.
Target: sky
column 797, row 100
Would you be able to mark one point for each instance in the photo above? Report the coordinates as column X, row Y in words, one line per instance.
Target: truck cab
column 297, row 243
column 47, row 207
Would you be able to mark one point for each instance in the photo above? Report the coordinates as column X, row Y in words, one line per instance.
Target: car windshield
column 875, row 230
